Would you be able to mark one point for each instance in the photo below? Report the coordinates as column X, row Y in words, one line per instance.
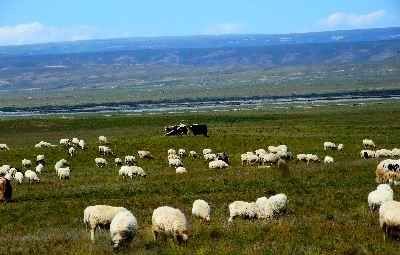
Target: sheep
column 26, row 163
column 104, row 150
column 210, row 156
column 382, row 194
column 301, row 157
column 193, row 154
column 39, row 168
column 217, row 164
column 123, row 228
column 63, row 173
column 43, row 144
column 389, row 218
column 31, row 176
column 171, row 152
column 82, row 144
column 4, row 147
column 145, row 155
column 4, row 169
column 279, row 203
column 340, row 147
column 388, row 170
column 329, row 145
column 243, row 209
column 328, row 160
column 249, row 158
column 182, row 152
column 180, row 170
column 383, row 153
column 175, row 162
column 65, row 141
column 59, row 164
column 268, row 158
column 395, row 152
column 312, row 158
column 265, row 210
column 366, row 154
column 19, row 177
column 99, row 216
column 169, row 221
column 207, row 151
column 201, row 209
column 40, row 159
column 130, row 160
column 75, row 141
column 275, row 149
column 259, row 152
column 118, row 162
column 368, row 143
column 71, row 151
column 103, row 139
column 223, row 156
column 130, row 171
column 100, row 162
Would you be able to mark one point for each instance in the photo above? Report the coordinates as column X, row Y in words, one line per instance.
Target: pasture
column 328, row 211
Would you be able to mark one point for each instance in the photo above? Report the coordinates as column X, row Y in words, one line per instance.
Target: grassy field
column 328, row 211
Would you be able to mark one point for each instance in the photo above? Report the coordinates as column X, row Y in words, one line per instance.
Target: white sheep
column 82, row 144
column 175, row 162
column 104, row 150
column 201, row 209
column 100, row 162
column 60, row 163
column 395, row 152
column 170, row 222
column 4, row 169
column 366, row 154
column 193, row 154
column 40, row 159
column 383, row 153
column 329, row 145
column 64, row 173
column 210, row 156
column 118, row 162
column 328, row 160
column 26, row 163
column 65, row 141
column 258, row 152
column 130, row 160
column 389, row 218
column 249, row 158
column 99, row 216
column 207, row 151
column 265, row 210
column 382, row 194
column 243, row 209
column 71, row 151
column 75, row 141
column 182, row 152
column 19, row 177
column 43, row 144
column 269, row 158
column 279, row 203
column 340, row 147
column 217, row 164
column 301, row 157
column 39, row 168
column 180, row 170
column 368, row 143
column 31, row 176
column 171, row 151
column 130, row 171
column 275, row 149
column 4, row 147
column 103, row 139
column 123, row 229
column 145, row 155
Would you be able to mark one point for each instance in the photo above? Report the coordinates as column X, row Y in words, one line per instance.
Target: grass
column 328, row 212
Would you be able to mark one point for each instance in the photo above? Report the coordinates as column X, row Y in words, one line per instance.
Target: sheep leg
column 155, row 235
column 92, row 234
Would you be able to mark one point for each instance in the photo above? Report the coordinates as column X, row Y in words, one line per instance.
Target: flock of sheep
column 168, row 221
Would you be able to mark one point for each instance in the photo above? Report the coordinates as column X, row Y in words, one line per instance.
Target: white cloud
column 351, row 20
column 225, row 28
column 36, row 32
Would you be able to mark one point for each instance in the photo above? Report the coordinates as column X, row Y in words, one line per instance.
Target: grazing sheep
column 193, row 154
column 328, row 160
column 366, row 154
column 39, row 168
column 383, row 153
column 312, row 158
column 31, row 176
column 4, row 169
column 201, row 209
column 207, row 151
column 171, row 152
column 118, row 162
column 259, row 152
column 243, row 209
column 223, row 156
column 104, row 150
column 180, row 170
column 210, row 156
column 175, row 162
column 145, row 155
column 43, row 144
column 276, row 149
column 100, row 162
column 82, row 144
column 382, row 194
column 301, row 157
column 63, row 173
column 368, row 143
column 40, row 159
column 103, row 139
column 26, row 163
column 395, row 152
column 182, row 153
column 130, row 160
column 4, row 147
column 123, row 229
column 75, row 141
column 59, row 164
column 269, row 158
column 217, row 164
column 65, row 141
column 279, row 203
column 389, row 218
column 249, row 158
column 329, row 145
column 340, row 147
column 388, row 171
column 169, row 221
column 19, row 177
column 130, row 171
column 99, row 216
column 71, row 151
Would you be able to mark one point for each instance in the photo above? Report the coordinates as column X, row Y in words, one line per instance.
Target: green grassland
column 328, row 211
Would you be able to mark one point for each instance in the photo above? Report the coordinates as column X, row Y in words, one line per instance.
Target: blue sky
column 32, row 21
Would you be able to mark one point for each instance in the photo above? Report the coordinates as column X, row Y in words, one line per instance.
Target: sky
column 38, row 21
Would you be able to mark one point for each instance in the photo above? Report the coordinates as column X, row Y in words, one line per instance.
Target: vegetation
column 328, row 211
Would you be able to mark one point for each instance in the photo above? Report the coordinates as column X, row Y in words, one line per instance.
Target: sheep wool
column 171, row 222
column 19, row 177
column 368, row 143
column 39, row 168
column 193, row 154
column 4, row 147
column 243, row 209
column 123, row 229
column 329, row 145
column 31, row 176
column 210, row 156
column 389, row 218
column 63, row 173
column 103, row 139
column 180, row 170
column 201, row 209
column 145, row 155
column 328, row 160
column 279, row 203
column 217, row 164
column 207, row 151
column 100, row 162
column 382, row 194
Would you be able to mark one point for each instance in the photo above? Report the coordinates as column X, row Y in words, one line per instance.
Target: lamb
column 82, row 144
column 389, row 218
column 39, row 168
column 210, row 156
column 170, row 222
column 217, row 164
column 328, row 160
column 118, row 162
column 201, row 209
column 130, row 160
column 64, row 173
column 182, row 152
column 340, row 147
column 145, row 155
column 26, row 163
column 100, row 162
column 103, row 139
column 368, row 143
column 259, row 152
column 207, row 151
column 99, row 216
column 223, row 156
column 366, row 154
column 71, row 151
column 301, row 157
column 382, row 194
column 123, row 228
column 40, row 159
column 4, row 147
column 329, row 145
column 180, row 170
column 31, row 176
column 383, row 153
column 193, row 154
column 243, row 209
column 175, row 162
column 312, row 157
